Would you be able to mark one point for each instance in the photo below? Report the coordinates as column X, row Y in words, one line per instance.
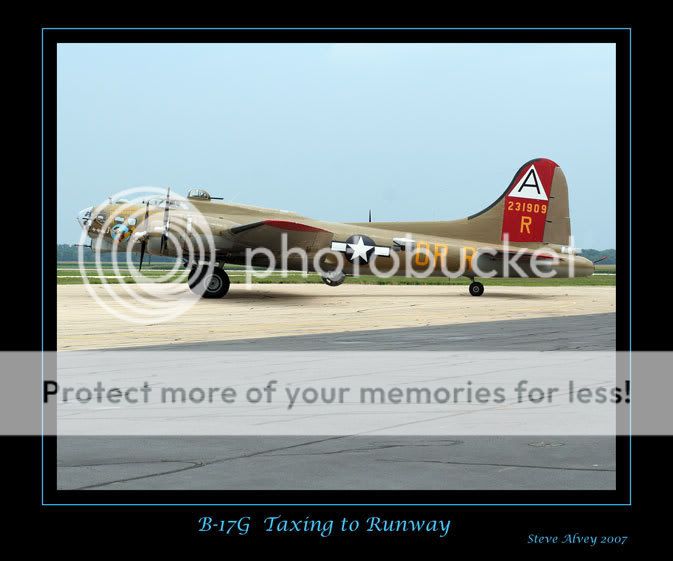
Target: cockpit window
column 172, row 203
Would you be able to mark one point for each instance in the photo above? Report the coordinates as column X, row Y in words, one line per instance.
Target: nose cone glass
column 84, row 217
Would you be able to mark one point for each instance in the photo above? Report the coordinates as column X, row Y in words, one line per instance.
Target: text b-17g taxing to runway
column 524, row 233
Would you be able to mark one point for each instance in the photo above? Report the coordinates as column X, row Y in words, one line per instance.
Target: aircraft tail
column 532, row 211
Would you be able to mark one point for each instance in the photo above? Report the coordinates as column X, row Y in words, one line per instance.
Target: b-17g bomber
column 524, row 233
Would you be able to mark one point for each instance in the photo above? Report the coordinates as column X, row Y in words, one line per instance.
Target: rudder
column 536, row 205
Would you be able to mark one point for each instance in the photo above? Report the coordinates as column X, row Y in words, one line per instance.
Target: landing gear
column 208, row 283
column 333, row 278
column 476, row 288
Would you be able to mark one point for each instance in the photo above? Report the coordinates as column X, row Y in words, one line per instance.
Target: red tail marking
column 527, row 202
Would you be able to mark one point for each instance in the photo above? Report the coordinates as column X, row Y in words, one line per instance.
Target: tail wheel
column 476, row 288
column 208, row 284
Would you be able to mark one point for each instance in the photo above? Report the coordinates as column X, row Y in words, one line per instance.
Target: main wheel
column 476, row 288
column 333, row 278
column 209, row 284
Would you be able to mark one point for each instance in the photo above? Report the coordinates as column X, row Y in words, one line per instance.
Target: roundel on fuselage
column 359, row 248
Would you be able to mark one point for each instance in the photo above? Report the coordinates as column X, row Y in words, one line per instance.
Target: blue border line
column 338, row 504
column 630, row 273
column 44, row 29
column 336, row 29
column 42, row 265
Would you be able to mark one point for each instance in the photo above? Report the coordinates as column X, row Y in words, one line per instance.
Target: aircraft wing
column 269, row 234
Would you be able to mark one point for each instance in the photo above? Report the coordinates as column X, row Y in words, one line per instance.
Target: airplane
column 530, row 217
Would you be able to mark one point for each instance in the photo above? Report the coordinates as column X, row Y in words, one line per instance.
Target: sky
column 412, row 131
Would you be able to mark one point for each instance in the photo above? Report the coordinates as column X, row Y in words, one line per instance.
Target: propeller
column 370, row 214
column 164, row 235
column 143, row 244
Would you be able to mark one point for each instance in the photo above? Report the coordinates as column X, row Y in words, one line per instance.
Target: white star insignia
column 360, row 249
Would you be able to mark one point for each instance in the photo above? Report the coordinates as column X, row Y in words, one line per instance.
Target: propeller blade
column 600, row 259
column 143, row 245
column 370, row 214
column 166, row 206
column 164, row 235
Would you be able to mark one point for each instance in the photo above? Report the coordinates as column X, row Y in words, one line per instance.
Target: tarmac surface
column 282, row 310
column 371, row 462
column 592, row 332
column 336, row 462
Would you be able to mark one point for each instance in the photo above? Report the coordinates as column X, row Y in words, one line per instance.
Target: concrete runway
column 316, row 317
column 364, row 462
column 277, row 310
column 337, row 462
column 592, row 332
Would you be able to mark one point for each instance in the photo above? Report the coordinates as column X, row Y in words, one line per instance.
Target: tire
column 476, row 288
column 333, row 279
column 209, row 284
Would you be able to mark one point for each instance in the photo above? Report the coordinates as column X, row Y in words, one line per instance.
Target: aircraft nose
column 84, row 217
